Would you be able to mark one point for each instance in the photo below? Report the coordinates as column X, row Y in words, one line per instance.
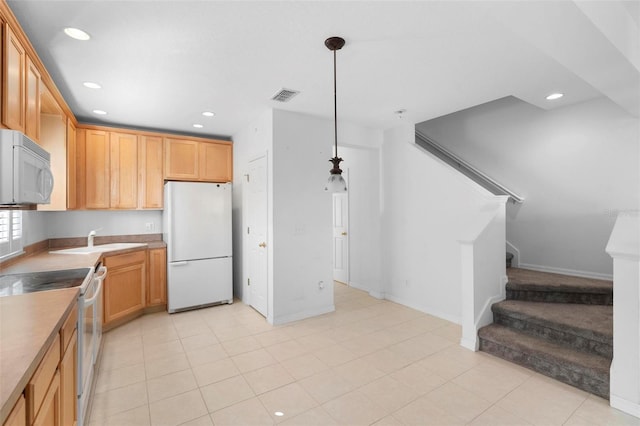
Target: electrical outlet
column 148, row 226
column 320, row 285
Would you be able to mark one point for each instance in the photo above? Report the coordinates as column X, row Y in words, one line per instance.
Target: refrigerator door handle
column 183, row 263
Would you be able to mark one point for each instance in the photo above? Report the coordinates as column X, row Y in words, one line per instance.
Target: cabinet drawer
column 67, row 329
column 125, row 259
column 37, row 387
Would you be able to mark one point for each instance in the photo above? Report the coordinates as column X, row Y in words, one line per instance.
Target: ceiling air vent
column 284, row 95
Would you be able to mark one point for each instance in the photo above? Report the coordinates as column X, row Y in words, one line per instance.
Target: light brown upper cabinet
column 150, row 170
column 198, row 161
column 117, row 170
column 95, row 169
column 216, row 162
column 32, row 101
column 72, row 164
column 181, row 159
column 20, row 87
column 13, row 80
column 108, row 165
column 124, row 170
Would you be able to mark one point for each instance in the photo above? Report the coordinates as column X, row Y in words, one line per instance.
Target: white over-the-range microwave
column 25, row 173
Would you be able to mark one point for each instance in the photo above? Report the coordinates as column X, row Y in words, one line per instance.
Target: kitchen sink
column 99, row 248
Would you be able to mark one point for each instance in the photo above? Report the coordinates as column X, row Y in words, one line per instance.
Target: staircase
column 557, row 325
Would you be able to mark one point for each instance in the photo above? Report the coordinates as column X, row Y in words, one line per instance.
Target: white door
column 341, row 237
column 258, row 246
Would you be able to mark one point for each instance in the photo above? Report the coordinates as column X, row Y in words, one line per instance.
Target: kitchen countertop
column 29, row 322
column 28, row 325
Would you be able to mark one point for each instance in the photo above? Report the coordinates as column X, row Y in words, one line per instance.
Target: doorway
column 257, row 242
column 341, row 237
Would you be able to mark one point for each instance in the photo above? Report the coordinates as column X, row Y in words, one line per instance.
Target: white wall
column 576, row 167
column 298, row 148
column 34, row 228
column 79, row 223
column 302, row 211
column 426, row 205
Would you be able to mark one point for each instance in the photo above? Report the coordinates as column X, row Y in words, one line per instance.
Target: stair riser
column 560, row 297
column 572, row 375
column 565, row 338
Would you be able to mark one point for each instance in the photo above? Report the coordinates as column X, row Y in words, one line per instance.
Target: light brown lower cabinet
column 49, row 414
column 124, row 287
column 157, row 280
column 68, row 379
column 18, row 416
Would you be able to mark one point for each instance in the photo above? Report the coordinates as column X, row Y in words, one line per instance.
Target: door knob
column 344, row 233
column 263, row 245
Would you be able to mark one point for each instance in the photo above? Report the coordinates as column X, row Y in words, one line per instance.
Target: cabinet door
column 157, row 282
column 216, row 162
column 18, row 416
column 72, row 162
column 32, row 101
column 96, row 169
column 124, row 287
column 13, row 73
column 49, row 414
column 68, row 379
column 181, row 159
column 124, row 170
column 151, row 171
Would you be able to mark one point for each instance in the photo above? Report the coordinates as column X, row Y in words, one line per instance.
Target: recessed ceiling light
column 208, row 114
column 91, row 85
column 554, row 96
column 198, row 126
column 99, row 112
column 279, row 413
column 76, row 33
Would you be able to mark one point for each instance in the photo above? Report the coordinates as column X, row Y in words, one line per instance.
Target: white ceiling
column 161, row 63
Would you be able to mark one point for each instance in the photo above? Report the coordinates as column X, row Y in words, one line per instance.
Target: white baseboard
column 411, row 304
column 358, row 286
column 377, row 294
column 471, row 344
column 302, row 315
column 621, row 404
column 573, row 272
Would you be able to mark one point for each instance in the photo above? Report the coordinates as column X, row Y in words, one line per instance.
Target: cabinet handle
column 263, row 245
column 183, row 263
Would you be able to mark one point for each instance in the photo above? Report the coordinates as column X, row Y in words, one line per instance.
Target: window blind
column 10, row 233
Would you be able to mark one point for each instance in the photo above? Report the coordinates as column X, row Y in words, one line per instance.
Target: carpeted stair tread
column 524, row 279
column 583, row 370
column 593, row 322
column 576, row 360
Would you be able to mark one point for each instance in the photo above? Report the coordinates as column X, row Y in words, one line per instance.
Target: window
column 10, row 233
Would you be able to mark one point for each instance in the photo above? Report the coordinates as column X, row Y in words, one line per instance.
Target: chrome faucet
column 90, row 237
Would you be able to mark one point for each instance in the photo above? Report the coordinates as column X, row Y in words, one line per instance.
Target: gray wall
column 576, row 167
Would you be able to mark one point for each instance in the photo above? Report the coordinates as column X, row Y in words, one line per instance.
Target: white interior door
column 341, row 237
column 258, row 246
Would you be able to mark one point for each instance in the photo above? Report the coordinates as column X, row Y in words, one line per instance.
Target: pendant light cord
column 335, row 104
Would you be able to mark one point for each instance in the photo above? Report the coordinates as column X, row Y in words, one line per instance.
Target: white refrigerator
column 196, row 225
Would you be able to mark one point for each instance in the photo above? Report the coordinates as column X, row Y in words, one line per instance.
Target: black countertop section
column 30, row 282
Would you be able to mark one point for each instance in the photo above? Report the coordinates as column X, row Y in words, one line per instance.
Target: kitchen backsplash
column 42, row 225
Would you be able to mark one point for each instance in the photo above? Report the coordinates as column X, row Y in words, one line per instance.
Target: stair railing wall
column 483, row 269
column 624, row 248
column 465, row 168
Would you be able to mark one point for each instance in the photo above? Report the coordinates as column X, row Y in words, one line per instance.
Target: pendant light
column 336, row 182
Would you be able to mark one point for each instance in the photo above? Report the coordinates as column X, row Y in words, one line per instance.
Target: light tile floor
column 370, row 362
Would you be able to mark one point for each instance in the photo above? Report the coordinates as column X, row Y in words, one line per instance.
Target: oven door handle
column 102, row 273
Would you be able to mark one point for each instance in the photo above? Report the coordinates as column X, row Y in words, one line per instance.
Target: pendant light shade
column 336, row 182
